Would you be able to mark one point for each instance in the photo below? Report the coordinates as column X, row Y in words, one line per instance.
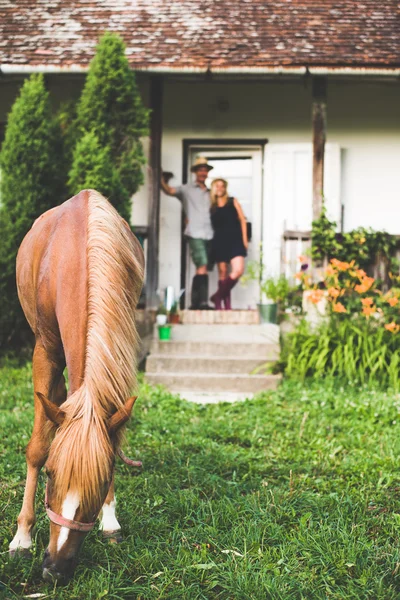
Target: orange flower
column 340, row 265
column 364, row 286
column 367, row 301
column 361, row 274
column 330, row 271
column 299, row 275
column 339, row 308
column 393, row 327
column 316, row 296
column 368, row 311
column 302, row 258
column 333, row 292
column 393, row 301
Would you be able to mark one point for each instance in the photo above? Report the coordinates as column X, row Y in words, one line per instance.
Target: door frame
column 222, row 144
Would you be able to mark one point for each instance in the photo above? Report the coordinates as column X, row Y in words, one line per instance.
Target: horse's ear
column 121, row 416
column 53, row 412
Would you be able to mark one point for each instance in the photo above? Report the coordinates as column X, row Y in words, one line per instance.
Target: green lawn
column 295, row 494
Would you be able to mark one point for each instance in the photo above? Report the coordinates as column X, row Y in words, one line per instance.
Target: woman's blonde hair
column 214, row 199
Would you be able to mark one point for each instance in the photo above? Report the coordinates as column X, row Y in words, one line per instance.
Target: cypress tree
column 111, row 109
column 31, row 183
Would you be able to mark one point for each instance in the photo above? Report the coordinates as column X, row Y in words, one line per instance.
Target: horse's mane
column 82, row 450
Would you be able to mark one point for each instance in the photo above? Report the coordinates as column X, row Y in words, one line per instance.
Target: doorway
column 240, row 163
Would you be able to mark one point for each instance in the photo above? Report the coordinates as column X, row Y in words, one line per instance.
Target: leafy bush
column 363, row 245
column 355, row 350
column 32, row 181
column 111, row 110
column 358, row 339
column 92, row 168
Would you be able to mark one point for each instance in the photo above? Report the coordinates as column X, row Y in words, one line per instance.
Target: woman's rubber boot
column 195, row 294
column 203, row 293
column 226, row 287
column 216, row 298
column 226, row 300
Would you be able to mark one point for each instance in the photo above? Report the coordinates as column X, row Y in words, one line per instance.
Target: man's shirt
column 196, row 204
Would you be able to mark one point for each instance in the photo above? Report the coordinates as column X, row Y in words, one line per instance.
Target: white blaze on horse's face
column 68, row 511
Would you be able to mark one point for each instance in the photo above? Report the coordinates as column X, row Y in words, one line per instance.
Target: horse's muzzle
column 60, row 573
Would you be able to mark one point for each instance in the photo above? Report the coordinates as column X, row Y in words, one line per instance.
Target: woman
column 229, row 245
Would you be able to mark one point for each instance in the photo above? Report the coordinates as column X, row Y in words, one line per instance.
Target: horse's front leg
column 109, row 522
column 48, row 380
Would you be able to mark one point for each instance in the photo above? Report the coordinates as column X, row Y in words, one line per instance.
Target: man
column 195, row 198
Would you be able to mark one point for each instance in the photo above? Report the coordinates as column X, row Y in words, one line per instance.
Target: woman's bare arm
column 243, row 222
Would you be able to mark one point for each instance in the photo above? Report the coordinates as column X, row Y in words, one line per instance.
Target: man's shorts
column 199, row 251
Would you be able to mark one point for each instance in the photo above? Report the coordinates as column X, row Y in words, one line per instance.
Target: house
column 288, row 100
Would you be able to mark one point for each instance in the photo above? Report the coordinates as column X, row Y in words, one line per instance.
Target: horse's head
column 79, row 470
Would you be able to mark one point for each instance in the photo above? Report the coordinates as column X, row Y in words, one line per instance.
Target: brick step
column 209, row 317
column 192, row 363
column 264, row 351
column 195, row 382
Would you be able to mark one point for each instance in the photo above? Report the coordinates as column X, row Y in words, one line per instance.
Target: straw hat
column 200, row 161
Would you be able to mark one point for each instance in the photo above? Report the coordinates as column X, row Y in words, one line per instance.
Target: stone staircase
column 215, row 362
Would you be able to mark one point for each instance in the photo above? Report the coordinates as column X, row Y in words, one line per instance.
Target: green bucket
column 268, row 313
column 164, row 332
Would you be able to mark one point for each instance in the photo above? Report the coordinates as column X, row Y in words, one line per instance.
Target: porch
column 279, row 157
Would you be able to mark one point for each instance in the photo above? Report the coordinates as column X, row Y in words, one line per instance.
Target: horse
column 79, row 278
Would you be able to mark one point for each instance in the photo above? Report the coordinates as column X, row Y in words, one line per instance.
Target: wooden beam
column 152, row 266
column 319, row 138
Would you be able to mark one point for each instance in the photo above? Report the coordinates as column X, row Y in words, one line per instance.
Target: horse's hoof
column 113, row 537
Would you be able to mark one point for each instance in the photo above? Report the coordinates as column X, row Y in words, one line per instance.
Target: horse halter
column 63, row 521
column 78, row 525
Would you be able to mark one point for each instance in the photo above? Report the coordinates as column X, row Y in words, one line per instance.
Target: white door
column 242, row 168
column 288, row 194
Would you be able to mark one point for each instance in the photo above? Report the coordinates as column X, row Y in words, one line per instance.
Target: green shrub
column 356, row 350
column 32, row 181
column 111, row 109
column 363, row 245
column 92, row 168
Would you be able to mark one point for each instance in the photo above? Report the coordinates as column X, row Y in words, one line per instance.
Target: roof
column 189, row 35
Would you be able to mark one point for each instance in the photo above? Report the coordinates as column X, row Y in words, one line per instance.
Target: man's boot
column 195, row 295
column 203, row 292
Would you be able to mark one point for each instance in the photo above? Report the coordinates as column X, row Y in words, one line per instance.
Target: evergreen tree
column 111, row 108
column 31, row 183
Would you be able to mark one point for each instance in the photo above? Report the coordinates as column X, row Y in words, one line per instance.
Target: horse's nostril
column 51, row 576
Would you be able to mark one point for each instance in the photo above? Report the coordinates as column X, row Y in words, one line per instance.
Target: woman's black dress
column 228, row 239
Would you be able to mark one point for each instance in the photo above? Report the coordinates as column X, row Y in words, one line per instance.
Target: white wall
column 363, row 120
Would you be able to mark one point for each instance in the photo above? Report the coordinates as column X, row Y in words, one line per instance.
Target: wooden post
column 319, row 137
column 152, row 267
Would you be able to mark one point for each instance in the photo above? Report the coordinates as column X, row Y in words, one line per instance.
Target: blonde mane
column 82, row 450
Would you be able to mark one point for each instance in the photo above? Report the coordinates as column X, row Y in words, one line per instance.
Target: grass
column 292, row 495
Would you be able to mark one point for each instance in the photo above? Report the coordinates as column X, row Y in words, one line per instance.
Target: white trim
column 16, row 69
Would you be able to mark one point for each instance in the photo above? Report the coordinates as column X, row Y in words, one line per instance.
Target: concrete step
column 190, row 363
column 209, row 317
column 239, row 334
column 197, row 382
column 264, row 351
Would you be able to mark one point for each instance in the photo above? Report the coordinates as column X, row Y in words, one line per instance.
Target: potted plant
column 173, row 316
column 162, row 315
column 273, row 291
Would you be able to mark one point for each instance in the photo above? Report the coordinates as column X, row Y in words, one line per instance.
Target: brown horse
column 79, row 276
